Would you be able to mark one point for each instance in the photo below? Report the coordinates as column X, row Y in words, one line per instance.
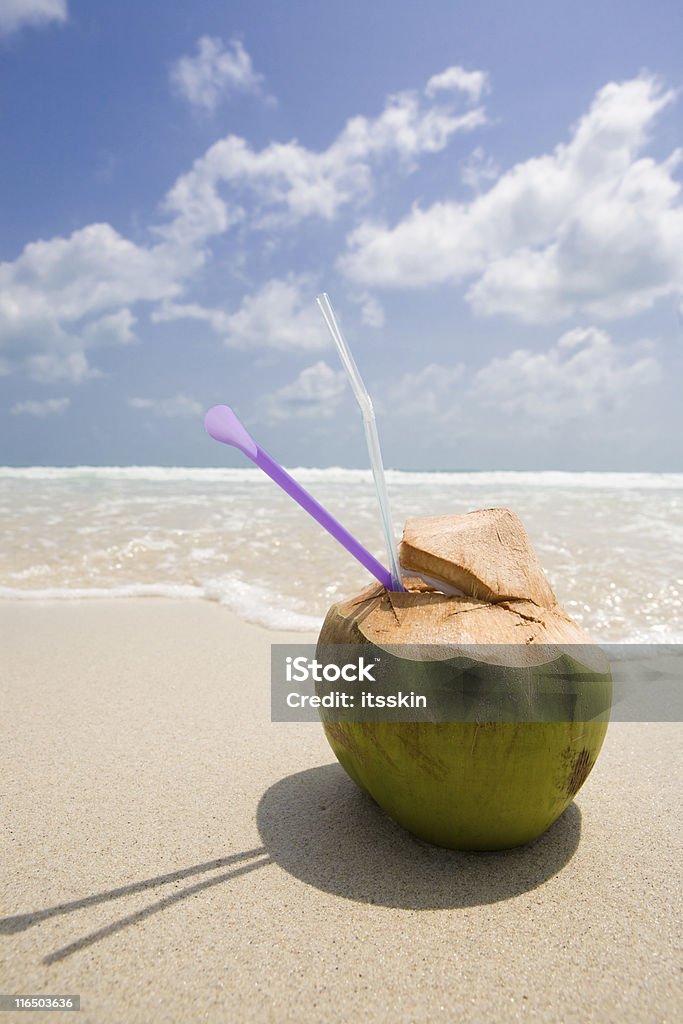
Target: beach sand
column 171, row 855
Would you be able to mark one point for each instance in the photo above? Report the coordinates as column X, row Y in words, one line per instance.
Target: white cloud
column 217, row 319
column 593, row 227
column 478, row 169
column 582, row 375
column 15, row 14
column 286, row 182
column 48, row 407
column 60, row 364
column 92, row 269
column 280, row 315
column 56, row 296
column 371, row 311
column 314, row 394
column 114, row 328
column 434, row 387
column 178, row 406
column 216, row 72
column 584, row 384
column 619, row 251
column 455, row 78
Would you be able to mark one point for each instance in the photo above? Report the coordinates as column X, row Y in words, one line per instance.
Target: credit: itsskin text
column 341, row 699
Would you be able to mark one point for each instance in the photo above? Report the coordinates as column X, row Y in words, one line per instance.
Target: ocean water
column 611, row 543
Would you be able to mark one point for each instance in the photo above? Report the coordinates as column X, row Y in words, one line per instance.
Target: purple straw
column 222, row 424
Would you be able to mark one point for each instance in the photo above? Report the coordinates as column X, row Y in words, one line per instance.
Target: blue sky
column 490, row 194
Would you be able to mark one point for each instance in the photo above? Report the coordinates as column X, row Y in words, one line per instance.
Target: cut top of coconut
column 423, row 625
column 485, row 554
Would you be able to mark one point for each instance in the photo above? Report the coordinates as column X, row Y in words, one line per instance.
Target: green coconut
column 518, row 696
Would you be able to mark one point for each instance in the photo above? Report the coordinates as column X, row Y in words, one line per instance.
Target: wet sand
column 171, row 855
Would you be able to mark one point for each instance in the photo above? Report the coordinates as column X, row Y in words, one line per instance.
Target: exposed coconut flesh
column 507, row 607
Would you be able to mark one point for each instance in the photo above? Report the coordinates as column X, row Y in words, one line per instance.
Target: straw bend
column 371, row 435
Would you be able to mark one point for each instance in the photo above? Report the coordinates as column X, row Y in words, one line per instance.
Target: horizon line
column 351, row 469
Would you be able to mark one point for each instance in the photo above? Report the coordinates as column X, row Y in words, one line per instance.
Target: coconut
column 518, row 696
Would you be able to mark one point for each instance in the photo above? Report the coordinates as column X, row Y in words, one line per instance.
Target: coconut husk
column 486, row 554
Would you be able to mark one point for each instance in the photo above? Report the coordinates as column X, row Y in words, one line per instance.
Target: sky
column 490, row 194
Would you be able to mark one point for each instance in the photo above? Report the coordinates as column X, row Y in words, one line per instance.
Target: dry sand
column 171, row 855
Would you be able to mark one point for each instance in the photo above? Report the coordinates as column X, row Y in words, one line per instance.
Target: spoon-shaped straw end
column 222, row 425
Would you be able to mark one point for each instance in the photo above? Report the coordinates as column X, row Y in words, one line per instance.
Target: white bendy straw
column 368, row 414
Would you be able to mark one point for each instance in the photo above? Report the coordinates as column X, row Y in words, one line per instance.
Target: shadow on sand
column 20, row 922
column 320, row 828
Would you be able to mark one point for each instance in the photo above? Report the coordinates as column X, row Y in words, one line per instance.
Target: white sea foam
column 338, row 474
column 87, row 593
column 250, row 602
column 156, row 474
column 257, row 604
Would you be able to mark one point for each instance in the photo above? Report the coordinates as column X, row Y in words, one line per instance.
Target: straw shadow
column 256, row 858
column 322, row 829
